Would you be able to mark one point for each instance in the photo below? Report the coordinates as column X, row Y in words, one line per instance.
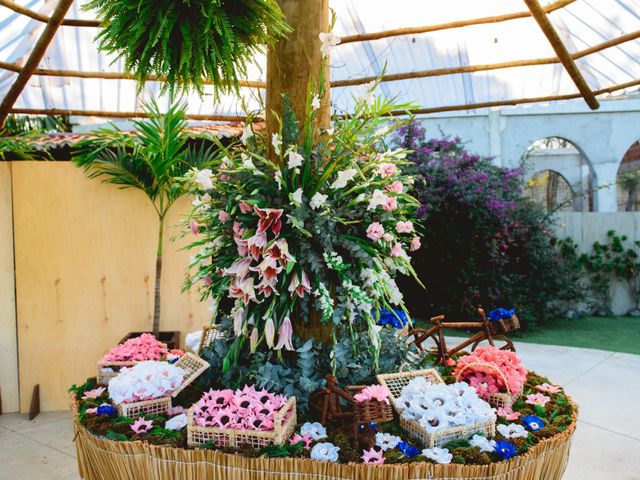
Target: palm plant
column 152, row 159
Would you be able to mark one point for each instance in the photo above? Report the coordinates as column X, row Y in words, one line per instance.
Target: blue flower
column 532, row 422
column 407, row 449
column 372, row 426
column 505, row 449
column 500, row 314
column 107, row 410
column 396, row 318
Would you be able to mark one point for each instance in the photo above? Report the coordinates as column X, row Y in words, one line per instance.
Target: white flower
column 386, row 441
column 276, row 141
column 328, row 40
column 315, row 431
column 330, row 131
column 247, row 133
column 513, row 431
column 315, row 102
column 434, row 420
column 368, row 96
column 344, row 177
column 326, row 452
column 377, row 198
column 247, row 162
column 295, row 159
column 483, row 443
column 203, row 179
column 296, row 197
column 192, row 340
column 144, row 381
column 317, row 200
column 278, row 178
column 381, row 131
column 176, row 423
column 439, row 455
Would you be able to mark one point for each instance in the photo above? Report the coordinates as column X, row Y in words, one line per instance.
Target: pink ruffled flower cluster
column 478, row 370
column 262, row 259
column 137, row 349
column 373, row 392
column 245, row 409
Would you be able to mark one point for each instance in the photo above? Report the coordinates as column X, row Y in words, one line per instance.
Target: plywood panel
column 85, row 260
column 8, row 344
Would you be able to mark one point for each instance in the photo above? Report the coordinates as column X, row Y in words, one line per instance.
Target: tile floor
column 606, row 445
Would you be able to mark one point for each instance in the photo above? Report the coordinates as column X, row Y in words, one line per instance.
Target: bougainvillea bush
column 489, row 245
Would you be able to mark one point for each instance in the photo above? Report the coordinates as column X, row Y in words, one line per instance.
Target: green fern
column 188, row 41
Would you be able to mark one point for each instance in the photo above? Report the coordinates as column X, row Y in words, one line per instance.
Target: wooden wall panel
column 8, row 339
column 85, row 260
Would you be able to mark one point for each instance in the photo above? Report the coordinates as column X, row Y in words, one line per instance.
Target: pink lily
column 245, row 207
column 243, row 289
column 268, row 268
column 242, row 246
column 141, row 425
column 299, row 287
column 239, row 269
column 238, row 322
column 267, row 287
column 280, row 250
column 284, row 335
column 269, row 217
column 255, row 244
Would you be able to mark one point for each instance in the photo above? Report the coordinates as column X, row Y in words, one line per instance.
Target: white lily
column 317, row 200
column 344, row 177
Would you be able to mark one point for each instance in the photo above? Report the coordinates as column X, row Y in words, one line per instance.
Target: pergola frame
column 535, row 10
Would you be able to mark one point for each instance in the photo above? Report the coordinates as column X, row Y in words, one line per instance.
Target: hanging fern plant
column 188, row 41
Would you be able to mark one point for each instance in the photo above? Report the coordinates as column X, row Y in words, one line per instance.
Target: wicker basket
column 193, row 367
column 103, row 377
column 505, row 325
column 396, row 382
column 372, row 411
column 284, row 425
column 499, row 399
column 209, row 334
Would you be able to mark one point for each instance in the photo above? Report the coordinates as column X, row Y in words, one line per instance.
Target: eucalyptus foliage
column 188, row 41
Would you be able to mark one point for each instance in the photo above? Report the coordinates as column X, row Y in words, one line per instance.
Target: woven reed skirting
column 102, row 459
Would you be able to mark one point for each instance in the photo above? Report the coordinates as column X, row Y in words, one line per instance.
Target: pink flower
column 224, row 418
column 373, row 392
column 415, row 244
column 375, row 231
column 545, row 387
column 387, row 170
column 485, row 385
column 255, row 244
column 507, row 413
column 259, row 422
column 450, row 362
column 280, row 250
column 298, row 287
column 297, row 438
column 194, row 227
column 173, row 411
column 239, row 269
column 284, row 335
column 269, row 217
column 141, row 425
column 396, row 187
column 537, row 399
column 223, row 216
column 267, row 287
column 245, row 207
column 244, row 289
column 404, row 227
column 372, row 457
column 95, row 393
column 397, row 251
column 387, row 237
column 390, row 204
column 242, row 246
column 268, row 268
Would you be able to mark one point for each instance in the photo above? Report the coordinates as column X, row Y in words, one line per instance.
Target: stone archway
column 628, row 180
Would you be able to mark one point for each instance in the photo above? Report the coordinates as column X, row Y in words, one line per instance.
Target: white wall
column 587, row 228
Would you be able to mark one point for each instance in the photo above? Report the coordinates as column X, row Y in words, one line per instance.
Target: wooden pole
column 570, row 66
column 295, row 61
column 34, row 58
column 107, row 114
column 43, row 18
column 365, row 37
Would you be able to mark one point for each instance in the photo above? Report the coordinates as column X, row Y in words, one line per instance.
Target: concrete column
column 605, row 196
column 495, row 136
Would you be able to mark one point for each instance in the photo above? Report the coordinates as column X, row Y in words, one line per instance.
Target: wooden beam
column 34, row 58
column 365, row 37
column 505, row 103
column 43, row 18
column 34, row 407
column 107, row 114
column 565, row 57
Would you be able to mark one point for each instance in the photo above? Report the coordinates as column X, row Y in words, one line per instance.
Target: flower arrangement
column 377, row 393
column 438, row 407
column 323, row 227
column 242, row 409
column 137, row 349
column 479, row 369
column 145, row 381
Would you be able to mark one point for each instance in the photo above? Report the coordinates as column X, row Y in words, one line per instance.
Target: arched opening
column 559, row 175
column 628, row 180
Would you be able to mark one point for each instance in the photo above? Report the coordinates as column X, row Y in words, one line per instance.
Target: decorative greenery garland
column 188, row 41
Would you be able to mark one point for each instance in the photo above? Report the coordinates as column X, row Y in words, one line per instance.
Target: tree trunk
column 294, row 61
column 156, row 301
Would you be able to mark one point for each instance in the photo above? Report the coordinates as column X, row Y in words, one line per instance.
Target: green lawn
column 615, row 334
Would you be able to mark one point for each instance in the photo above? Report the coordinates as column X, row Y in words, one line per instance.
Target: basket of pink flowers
column 248, row 416
column 497, row 375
